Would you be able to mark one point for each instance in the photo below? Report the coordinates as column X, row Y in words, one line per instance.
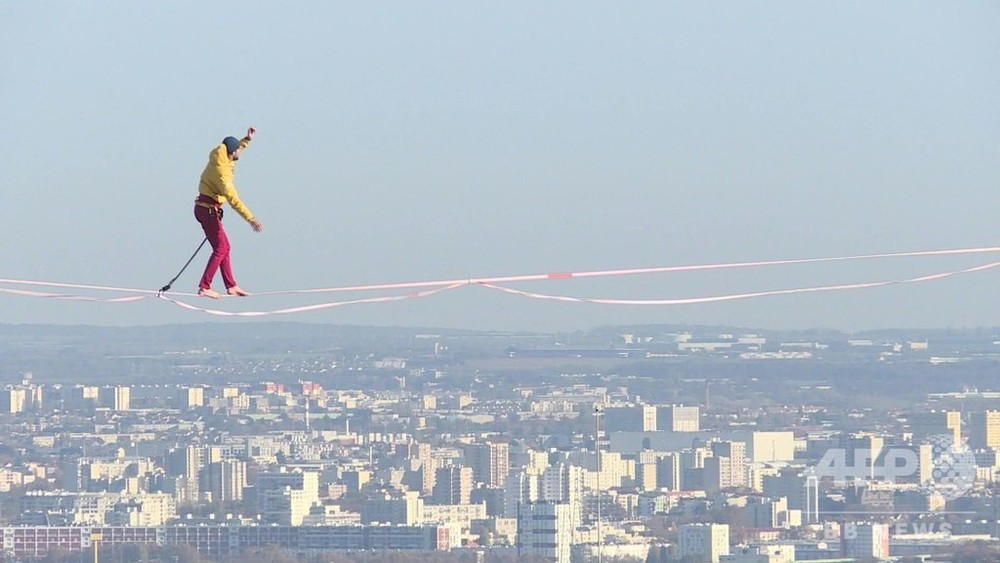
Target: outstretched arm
column 233, row 195
column 254, row 223
column 245, row 141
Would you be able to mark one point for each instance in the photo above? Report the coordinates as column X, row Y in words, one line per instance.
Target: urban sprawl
column 278, row 442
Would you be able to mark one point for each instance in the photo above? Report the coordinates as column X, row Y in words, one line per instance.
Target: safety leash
column 166, row 288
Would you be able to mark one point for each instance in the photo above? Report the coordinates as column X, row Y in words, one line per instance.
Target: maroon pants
column 211, row 223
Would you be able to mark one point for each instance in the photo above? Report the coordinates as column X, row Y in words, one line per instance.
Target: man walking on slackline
column 218, row 186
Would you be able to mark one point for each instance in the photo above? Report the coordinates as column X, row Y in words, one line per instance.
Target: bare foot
column 208, row 292
column 237, row 291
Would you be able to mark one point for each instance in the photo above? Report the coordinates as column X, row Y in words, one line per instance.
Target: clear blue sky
column 404, row 141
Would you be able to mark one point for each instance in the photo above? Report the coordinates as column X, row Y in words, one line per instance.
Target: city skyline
column 651, row 445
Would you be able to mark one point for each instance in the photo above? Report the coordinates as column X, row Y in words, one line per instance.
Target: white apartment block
column 703, row 542
column 545, row 529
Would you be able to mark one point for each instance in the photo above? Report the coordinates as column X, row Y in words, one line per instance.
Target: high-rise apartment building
column 866, row 541
column 703, row 542
column 640, row 418
column 490, row 462
column 190, row 397
column 117, row 397
column 668, row 472
column 13, row 400
column 283, row 507
column 925, row 425
column 184, row 466
column 453, row 485
column 862, row 449
column 564, row 483
column 422, row 467
column 763, row 512
column 307, row 481
column 678, row 418
column 521, row 489
column 545, row 529
column 355, row 479
column 984, row 429
column 227, row 479
column 730, row 467
column 801, row 491
column 396, row 508
column 285, row 497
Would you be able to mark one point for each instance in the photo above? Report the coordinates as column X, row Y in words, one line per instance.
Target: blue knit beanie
column 232, row 144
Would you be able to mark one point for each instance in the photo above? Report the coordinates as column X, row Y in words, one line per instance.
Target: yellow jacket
column 217, row 181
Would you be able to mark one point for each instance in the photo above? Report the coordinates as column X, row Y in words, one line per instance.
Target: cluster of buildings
column 567, row 471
